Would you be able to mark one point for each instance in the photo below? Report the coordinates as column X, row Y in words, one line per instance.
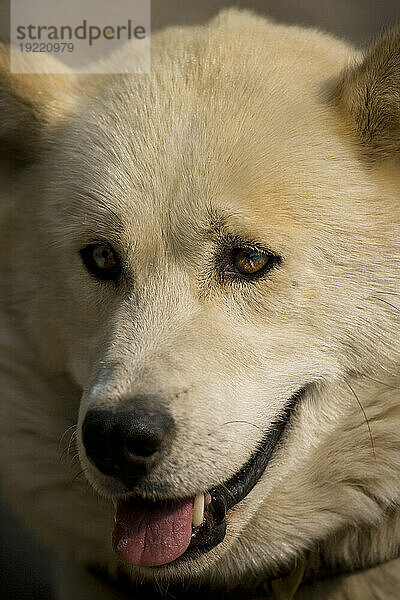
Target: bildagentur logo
column 80, row 36
column 84, row 31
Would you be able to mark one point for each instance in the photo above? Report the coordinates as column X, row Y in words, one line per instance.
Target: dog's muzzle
column 127, row 443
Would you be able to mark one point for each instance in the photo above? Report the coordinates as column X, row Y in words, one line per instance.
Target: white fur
column 232, row 122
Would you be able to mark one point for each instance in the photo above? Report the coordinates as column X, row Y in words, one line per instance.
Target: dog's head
column 213, row 251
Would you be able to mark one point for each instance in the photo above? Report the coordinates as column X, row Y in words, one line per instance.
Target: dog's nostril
column 141, row 448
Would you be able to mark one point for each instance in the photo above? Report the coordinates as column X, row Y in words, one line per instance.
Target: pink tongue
column 151, row 536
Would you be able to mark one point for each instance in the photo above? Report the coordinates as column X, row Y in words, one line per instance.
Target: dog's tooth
column 198, row 510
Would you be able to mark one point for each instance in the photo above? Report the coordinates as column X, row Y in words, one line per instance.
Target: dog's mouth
column 154, row 534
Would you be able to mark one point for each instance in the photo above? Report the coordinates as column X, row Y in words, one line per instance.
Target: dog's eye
column 101, row 261
column 251, row 262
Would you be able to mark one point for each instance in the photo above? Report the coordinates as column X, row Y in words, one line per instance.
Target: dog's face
column 209, row 247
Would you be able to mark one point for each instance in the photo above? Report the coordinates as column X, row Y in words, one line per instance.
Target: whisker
column 365, row 417
column 64, row 434
column 243, row 422
column 72, row 440
column 66, row 452
column 392, row 387
column 74, row 460
column 228, row 491
column 396, row 308
column 82, row 471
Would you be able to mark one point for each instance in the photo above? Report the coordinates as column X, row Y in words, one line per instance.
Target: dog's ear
column 30, row 104
column 369, row 94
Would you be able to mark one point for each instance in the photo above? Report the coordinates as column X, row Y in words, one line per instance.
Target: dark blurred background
column 25, row 567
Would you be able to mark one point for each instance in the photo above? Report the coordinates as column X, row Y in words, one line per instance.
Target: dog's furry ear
column 369, row 93
column 29, row 105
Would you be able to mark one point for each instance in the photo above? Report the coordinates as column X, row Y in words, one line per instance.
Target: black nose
column 128, row 442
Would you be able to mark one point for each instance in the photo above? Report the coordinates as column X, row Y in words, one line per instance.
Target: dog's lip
column 228, row 494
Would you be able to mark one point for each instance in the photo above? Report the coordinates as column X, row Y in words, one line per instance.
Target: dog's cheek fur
column 330, row 489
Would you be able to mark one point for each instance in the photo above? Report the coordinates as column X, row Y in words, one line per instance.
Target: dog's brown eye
column 101, row 261
column 250, row 262
column 104, row 257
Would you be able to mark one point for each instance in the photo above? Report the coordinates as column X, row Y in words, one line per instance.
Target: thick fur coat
column 279, row 136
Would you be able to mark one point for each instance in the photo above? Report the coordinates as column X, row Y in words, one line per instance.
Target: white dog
column 201, row 269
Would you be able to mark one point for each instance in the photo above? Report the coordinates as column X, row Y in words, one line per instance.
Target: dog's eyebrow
column 102, row 200
column 221, row 227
